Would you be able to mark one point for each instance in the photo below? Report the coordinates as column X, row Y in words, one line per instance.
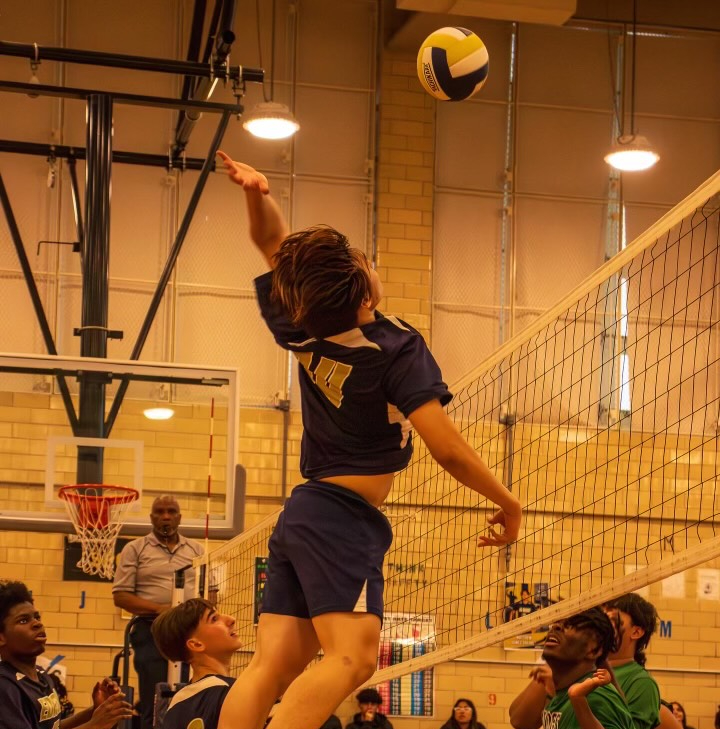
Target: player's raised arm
column 455, row 455
column 578, row 693
column 268, row 228
column 526, row 709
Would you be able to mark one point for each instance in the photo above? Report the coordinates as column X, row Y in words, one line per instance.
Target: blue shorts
column 326, row 554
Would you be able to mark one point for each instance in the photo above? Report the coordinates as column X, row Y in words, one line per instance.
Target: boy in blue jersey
column 365, row 380
column 578, row 693
column 196, row 633
column 28, row 699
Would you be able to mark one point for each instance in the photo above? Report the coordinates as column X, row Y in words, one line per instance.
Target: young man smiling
column 27, row 696
column 196, row 633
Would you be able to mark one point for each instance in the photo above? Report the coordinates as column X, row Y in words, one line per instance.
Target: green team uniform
column 641, row 694
column 605, row 703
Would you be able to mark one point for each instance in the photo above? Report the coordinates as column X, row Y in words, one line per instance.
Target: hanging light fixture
column 631, row 152
column 270, row 119
column 160, row 412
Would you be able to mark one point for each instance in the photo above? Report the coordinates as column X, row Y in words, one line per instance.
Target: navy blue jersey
column 357, row 390
column 27, row 704
column 197, row 705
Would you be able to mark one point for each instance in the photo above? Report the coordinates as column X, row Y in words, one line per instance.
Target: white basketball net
column 97, row 513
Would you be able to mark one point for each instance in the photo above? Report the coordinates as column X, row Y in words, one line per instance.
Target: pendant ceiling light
column 270, row 119
column 630, row 151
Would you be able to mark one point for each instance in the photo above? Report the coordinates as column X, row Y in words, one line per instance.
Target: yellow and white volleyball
column 452, row 64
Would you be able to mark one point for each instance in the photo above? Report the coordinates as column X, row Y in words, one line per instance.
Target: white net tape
column 97, row 513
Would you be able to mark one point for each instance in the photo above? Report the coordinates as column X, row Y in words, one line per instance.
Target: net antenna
column 97, row 513
column 613, row 452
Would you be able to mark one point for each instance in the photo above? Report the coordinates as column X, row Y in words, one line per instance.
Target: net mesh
column 602, row 417
column 97, row 514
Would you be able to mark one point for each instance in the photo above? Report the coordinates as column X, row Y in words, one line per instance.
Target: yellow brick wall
column 405, row 193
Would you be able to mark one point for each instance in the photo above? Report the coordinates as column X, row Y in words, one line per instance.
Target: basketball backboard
column 46, row 439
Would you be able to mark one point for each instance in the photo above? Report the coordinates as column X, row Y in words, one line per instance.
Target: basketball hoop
column 97, row 513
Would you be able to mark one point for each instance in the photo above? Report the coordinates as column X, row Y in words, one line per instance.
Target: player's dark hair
column 597, row 622
column 452, row 722
column 172, row 629
column 369, row 696
column 320, row 281
column 12, row 593
column 642, row 615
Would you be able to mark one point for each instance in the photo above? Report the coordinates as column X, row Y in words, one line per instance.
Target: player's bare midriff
column 373, row 489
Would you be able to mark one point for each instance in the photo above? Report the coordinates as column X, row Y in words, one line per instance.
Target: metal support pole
column 180, row 237
column 509, row 423
column 61, row 151
column 120, row 97
column 169, row 265
column 193, row 54
column 95, row 292
column 507, row 229
column 204, row 87
column 119, row 60
column 174, row 674
column 77, row 212
column 508, row 265
column 36, row 301
column 609, row 405
column 125, row 686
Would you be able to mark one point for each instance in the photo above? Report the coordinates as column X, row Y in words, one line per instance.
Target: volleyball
column 452, row 64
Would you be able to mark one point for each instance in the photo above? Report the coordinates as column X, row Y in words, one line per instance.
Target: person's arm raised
column 527, row 707
column 268, row 228
column 578, row 693
column 455, row 455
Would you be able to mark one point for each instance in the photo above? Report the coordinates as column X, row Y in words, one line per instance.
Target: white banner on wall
column 708, row 584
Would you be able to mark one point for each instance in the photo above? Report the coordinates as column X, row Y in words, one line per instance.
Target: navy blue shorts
column 326, row 554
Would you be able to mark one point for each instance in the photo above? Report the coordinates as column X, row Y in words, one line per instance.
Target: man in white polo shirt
column 143, row 586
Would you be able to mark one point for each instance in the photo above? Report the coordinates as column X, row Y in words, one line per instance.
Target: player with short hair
column 578, row 694
column 196, row 633
column 369, row 717
column 366, row 380
column 27, row 696
column 143, row 585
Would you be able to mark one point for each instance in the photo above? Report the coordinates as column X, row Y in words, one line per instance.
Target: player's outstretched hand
column 601, row 677
column 103, row 690
column 110, row 712
column 543, row 675
column 241, row 174
column 511, row 528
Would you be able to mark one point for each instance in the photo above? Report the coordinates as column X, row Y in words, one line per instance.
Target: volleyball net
column 602, row 417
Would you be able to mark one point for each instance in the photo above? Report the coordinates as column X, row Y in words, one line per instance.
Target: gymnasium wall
column 329, row 181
